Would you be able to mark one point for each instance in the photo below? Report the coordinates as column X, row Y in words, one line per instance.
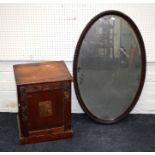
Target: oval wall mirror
column 109, row 67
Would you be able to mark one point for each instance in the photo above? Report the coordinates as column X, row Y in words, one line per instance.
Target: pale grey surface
column 109, row 67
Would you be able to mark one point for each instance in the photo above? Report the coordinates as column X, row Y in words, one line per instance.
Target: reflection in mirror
column 109, row 67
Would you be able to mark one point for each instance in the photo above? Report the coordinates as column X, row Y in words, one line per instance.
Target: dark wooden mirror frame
column 143, row 65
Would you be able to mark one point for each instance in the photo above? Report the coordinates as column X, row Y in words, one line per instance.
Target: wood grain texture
column 41, row 72
column 44, row 106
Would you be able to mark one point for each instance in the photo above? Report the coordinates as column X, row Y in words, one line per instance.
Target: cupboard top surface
column 51, row 71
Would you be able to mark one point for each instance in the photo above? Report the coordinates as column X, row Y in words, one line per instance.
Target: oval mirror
column 109, row 67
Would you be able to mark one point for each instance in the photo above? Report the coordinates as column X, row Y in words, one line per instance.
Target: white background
column 32, row 32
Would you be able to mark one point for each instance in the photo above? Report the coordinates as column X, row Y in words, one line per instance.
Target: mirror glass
column 109, row 66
